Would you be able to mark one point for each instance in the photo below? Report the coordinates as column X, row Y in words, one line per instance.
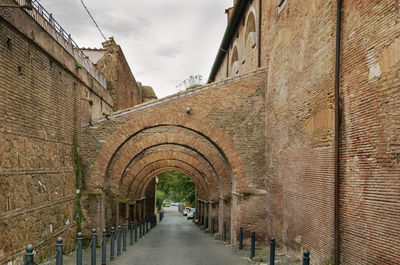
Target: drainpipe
column 337, row 130
column 259, row 32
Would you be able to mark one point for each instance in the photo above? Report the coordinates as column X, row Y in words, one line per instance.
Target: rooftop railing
column 48, row 23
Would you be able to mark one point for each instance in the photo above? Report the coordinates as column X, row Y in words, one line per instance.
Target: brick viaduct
column 270, row 144
column 130, row 148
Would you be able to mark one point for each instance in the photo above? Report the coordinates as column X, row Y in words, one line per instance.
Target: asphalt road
column 177, row 241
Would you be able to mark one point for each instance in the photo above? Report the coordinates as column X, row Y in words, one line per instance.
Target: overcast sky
column 164, row 41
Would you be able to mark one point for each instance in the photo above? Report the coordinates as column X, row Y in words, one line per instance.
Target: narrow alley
column 177, row 241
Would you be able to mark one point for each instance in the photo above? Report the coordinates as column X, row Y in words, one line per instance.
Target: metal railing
column 48, row 23
column 121, row 240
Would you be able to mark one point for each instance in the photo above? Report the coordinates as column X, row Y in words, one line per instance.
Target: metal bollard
column 131, row 234
column 124, row 239
column 29, row 256
column 217, row 222
column 272, row 252
column 241, row 238
column 112, row 242
column 79, row 248
column 207, row 222
column 253, row 245
column 136, row 232
column 212, row 226
column 224, row 232
column 93, row 255
column 103, row 248
column 306, row 258
column 140, row 229
column 59, row 248
column 119, row 241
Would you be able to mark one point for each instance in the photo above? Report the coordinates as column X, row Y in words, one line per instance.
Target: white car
column 190, row 214
column 186, row 210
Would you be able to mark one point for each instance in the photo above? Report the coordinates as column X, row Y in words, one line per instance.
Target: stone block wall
column 39, row 124
column 42, row 94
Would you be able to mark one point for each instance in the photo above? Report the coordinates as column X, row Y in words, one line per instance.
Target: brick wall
column 225, row 125
column 39, row 105
column 299, row 52
column 370, row 135
column 121, row 82
column 42, row 93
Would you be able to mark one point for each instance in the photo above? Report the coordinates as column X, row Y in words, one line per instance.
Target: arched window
column 235, row 60
column 250, row 34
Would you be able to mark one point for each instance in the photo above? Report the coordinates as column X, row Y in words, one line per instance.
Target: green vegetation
column 174, row 186
column 78, row 65
column 78, row 174
column 191, row 82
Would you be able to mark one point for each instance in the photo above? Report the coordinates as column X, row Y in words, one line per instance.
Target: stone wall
column 40, row 121
column 42, row 93
column 120, row 80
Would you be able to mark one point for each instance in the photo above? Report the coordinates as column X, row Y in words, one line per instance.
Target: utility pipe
column 337, row 130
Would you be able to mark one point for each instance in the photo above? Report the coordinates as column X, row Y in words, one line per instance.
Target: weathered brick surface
column 369, row 143
column 39, row 106
column 40, row 103
column 299, row 50
column 120, row 80
column 133, row 146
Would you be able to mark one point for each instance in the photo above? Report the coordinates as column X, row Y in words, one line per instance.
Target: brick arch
column 135, row 190
column 195, row 162
column 153, row 174
column 135, row 173
column 210, row 155
column 192, row 158
column 134, row 126
column 201, row 193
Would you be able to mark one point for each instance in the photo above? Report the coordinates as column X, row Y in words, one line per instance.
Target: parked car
column 191, row 213
column 166, row 204
column 186, row 210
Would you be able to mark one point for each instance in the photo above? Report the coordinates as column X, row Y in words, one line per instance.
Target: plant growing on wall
column 78, row 185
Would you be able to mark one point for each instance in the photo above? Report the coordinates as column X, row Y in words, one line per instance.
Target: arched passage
column 133, row 127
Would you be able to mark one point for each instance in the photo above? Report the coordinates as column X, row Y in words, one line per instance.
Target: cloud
column 163, row 41
column 126, row 26
column 170, row 50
